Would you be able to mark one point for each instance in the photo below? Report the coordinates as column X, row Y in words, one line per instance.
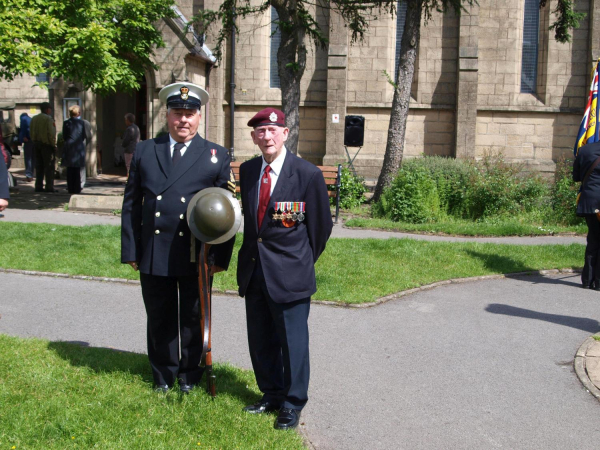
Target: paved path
column 480, row 365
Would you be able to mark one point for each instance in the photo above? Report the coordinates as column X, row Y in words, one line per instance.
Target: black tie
column 177, row 152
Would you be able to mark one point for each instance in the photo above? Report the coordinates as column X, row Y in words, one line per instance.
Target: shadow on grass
column 499, row 264
column 107, row 360
column 580, row 323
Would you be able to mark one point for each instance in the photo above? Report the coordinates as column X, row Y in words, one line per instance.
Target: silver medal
column 214, row 160
column 300, row 217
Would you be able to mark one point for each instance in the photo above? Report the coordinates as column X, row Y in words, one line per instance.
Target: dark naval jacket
column 154, row 229
column 287, row 255
column 589, row 199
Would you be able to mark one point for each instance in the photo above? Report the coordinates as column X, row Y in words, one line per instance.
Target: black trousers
column 591, row 266
column 278, row 342
column 74, row 180
column 44, row 166
column 172, row 307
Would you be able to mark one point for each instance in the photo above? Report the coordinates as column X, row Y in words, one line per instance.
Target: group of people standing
column 275, row 269
column 38, row 136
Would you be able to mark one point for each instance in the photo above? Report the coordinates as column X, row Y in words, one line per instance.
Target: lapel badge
column 184, row 93
column 213, row 159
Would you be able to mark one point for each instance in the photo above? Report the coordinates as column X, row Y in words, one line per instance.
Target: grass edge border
column 379, row 301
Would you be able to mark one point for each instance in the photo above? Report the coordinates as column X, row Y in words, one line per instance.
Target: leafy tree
column 104, row 44
column 298, row 25
column 566, row 19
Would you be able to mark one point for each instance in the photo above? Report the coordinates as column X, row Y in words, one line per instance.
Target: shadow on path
column 108, row 360
column 580, row 323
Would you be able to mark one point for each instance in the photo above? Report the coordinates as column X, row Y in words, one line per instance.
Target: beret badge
column 273, row 117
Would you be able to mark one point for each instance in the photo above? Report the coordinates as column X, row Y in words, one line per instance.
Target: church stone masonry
column 466, row 99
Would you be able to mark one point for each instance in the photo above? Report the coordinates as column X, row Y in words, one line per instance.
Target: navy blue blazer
column 154, row 229
column 589, row 200
column 287, row 255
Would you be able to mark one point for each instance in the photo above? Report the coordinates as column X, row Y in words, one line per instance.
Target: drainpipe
column 207, row 87
column 232, row 91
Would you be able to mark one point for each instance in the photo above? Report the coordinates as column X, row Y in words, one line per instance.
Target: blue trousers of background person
column 172, row 307
column 29, row 158
column 591, row 269
column 278, row 343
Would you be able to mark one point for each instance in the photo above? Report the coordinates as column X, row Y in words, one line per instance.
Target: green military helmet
column 214, row 215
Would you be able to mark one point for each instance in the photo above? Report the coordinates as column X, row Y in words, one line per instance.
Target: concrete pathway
column 486, row 364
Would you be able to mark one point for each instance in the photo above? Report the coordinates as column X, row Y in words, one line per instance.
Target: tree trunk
column 291, row 62
column 394, row 150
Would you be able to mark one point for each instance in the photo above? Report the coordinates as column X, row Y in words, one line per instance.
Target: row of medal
column 289, row 212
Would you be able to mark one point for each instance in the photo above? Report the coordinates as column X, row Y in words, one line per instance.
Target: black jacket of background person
column 287, row 255
column 3, row 180
column 74, row 147
column 156, row 198
column 589, row 200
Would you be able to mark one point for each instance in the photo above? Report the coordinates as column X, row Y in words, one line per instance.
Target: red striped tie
column 265, row 195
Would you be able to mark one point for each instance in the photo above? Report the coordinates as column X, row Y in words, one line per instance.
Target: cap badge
column 184, row 93
column 273, row 117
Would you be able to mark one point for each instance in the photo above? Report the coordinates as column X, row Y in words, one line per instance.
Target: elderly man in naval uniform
column 165, row 174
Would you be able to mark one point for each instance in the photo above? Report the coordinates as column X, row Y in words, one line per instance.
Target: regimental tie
column 264, row 196
column 177, row 152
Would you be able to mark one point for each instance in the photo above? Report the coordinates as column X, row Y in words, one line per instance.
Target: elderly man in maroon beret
column 287, row 223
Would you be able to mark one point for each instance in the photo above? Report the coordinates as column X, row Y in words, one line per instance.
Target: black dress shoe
column 287, row 419
column 261, row 407
column 162, row 388
column 186, row 388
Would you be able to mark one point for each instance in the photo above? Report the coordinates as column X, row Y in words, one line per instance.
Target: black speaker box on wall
column 354, row 131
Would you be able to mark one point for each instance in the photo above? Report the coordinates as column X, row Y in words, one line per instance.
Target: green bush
column 497, row 188
column 352, row 190
column 412, row 197
column 430, row 188
column 564, row 194
column 451, row 177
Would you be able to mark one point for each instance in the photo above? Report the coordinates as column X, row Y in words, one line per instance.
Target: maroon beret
column 268, row 116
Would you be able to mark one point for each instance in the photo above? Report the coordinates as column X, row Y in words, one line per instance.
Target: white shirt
column 173, row 142
column 276, row 167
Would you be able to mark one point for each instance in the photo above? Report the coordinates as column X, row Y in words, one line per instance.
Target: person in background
column 131, row 137
column 25, row 139
column 73, row 158
column 43, row 134
column 4, row 194
column 586, row 169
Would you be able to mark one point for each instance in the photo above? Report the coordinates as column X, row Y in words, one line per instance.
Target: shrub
column 564, row 194
column 451, row 177
column 429, row 188
column 352, row 190
column 412, row 197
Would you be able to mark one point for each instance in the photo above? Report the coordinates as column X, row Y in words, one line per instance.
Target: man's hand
column 3, row 204
column 215, row 269
column 133, row 264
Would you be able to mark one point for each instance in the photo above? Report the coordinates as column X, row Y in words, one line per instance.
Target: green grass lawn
column 498, row 227
column 57, row 395
column 349, row 271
